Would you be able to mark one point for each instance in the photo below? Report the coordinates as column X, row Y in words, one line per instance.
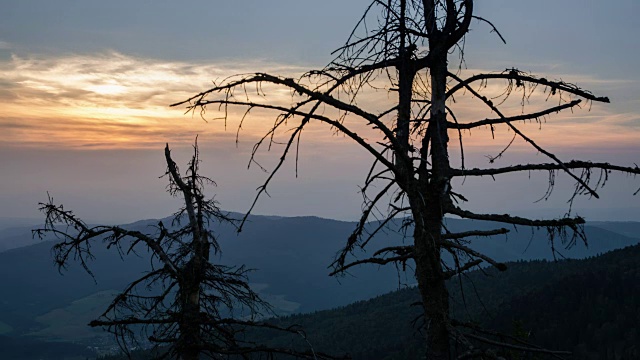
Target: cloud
column 73, row 100
column 112, row 100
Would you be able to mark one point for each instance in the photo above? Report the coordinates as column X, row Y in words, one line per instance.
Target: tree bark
column 189, row 343
column 428, row 203
column 434, row 294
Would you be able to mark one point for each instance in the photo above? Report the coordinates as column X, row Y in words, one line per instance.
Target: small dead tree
column 403, row 47
column 185, row 305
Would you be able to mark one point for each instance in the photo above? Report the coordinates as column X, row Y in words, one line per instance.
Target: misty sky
column 85, row 87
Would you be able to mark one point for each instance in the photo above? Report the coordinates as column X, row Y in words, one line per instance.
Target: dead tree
column 185, row 305
column 403, row 47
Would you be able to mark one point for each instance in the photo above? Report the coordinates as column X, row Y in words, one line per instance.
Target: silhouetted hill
column 627, row 228
column 29, row 349
column 590, row 307
column 16, row 237
column 290, row 256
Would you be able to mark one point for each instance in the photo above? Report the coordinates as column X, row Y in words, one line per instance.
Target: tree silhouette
column 403, row 47
column 185, row 305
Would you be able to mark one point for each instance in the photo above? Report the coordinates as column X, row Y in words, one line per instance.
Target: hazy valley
column 290, row 257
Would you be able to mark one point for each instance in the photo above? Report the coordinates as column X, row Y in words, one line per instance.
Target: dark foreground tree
column 185, row 305
column 403, row 47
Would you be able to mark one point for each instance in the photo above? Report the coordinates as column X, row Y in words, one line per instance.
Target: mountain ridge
column 291, row 255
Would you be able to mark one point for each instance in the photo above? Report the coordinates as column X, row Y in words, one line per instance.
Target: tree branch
column 516, row 220
column 452, row 245
column 573, row 164
column 456, row 236
column 524, row 117
column 449, row 274
column 373, row 260
column 527, row 139
column 516, row 75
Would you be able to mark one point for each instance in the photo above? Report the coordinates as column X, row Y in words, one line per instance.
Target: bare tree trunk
column 435, row 298
column 190, row 333
column 194, row 272
column 189, row 324
column 429, row 201
column 426, row 195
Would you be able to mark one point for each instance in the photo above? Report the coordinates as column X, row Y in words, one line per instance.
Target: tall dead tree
column 404, row 46
column 187, row 306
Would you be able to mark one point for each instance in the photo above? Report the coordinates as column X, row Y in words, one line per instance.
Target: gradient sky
column 85, row 87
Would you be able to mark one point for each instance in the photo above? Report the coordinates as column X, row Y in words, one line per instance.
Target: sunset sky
column 85, row 87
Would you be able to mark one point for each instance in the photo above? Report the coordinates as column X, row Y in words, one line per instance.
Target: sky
column 85, row 88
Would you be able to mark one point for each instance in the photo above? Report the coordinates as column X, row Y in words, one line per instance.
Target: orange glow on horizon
column 112, row 101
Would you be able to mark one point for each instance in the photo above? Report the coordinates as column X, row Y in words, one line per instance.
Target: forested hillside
column 588, row 307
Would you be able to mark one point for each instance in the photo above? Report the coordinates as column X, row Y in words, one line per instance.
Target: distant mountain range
column 290, row 256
